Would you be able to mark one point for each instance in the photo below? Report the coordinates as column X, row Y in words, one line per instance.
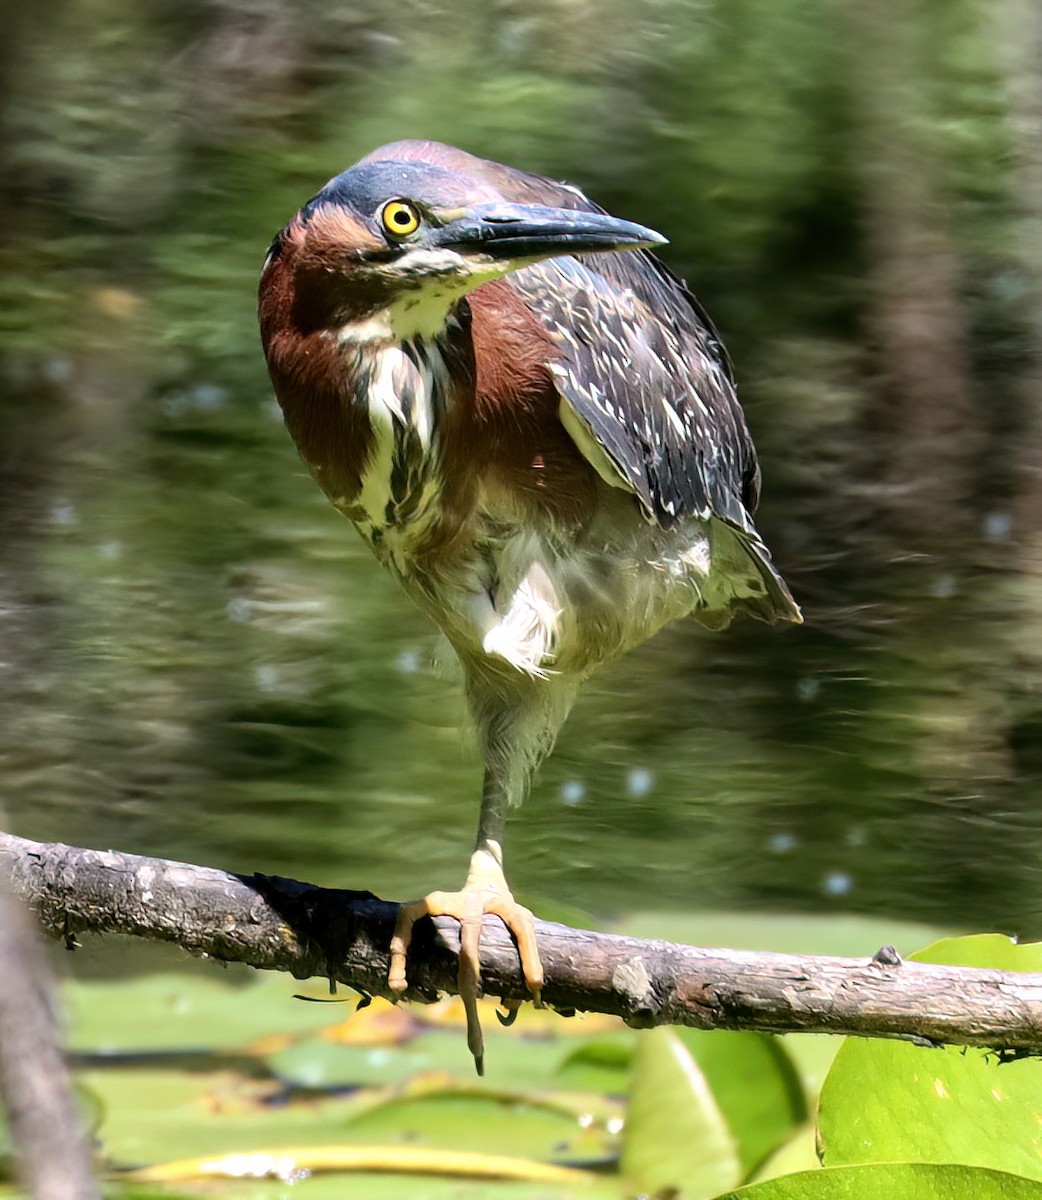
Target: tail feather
column 757, row 589
column 778, row 604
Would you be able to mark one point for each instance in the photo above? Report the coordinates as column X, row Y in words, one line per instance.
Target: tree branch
column 283, row 925
column 53, row 1152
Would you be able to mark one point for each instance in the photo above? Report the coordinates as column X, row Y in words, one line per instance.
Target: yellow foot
column 485, row 891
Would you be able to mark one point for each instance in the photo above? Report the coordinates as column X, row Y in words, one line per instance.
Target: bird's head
column 403, row 240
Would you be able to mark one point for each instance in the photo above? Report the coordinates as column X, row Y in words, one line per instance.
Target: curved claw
column 469, row 978
column 485, row 892
column 508, row 1014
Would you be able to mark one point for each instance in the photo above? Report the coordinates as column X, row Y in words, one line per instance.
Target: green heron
column 538, row 435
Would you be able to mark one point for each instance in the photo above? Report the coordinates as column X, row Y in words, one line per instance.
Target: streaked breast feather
column 403, row 392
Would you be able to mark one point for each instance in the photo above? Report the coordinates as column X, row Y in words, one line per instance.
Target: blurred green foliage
column 204, row 663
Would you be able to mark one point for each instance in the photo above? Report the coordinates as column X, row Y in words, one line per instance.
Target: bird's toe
column 469, row 907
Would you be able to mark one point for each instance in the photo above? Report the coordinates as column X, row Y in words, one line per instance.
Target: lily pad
column 601, row 1064
column 676, row 1137
column 153, row 1116
column 799, row 1153
column 893, row 1181
column 318, row 1062
column 890, row 1101
column 755, row 1084
column 493, row 1124
column 181, row 1012
column 382, row 1186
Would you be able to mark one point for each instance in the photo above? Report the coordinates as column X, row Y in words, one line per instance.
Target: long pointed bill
column 534, row 231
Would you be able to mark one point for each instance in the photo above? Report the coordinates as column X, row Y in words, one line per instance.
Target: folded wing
column 648, row 396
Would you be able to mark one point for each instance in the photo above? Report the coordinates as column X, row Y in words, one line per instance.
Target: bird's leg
column 485, row 891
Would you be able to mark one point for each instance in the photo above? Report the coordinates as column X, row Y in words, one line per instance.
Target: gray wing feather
column 646, row 383
column 652, row 386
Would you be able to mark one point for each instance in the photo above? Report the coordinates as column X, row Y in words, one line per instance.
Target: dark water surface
column 201, row 659
column 209, row 664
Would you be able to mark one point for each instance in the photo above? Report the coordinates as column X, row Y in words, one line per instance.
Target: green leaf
column 812, row 1055
column 129, row 1192
column 153, row 1116
column 993, row 950
column 601, row 1065
column 160, row 1116
column 492, row 1124
column 675, row 1134
column 318, row 1062
column 889, row 1101
column 185, row 1011
column 893, row 1181
column 754, row 1083
column 799, row 1153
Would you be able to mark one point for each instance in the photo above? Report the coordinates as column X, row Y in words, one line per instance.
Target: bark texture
column 284, row 925
column 53, row 1152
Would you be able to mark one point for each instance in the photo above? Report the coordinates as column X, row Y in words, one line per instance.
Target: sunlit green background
column 201, row 660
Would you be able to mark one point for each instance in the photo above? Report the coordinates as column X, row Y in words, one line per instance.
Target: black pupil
column 402, row 217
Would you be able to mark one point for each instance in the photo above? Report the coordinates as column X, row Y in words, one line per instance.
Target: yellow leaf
column 296, row 1162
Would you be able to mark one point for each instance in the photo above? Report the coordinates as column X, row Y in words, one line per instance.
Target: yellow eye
column 400, row 218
